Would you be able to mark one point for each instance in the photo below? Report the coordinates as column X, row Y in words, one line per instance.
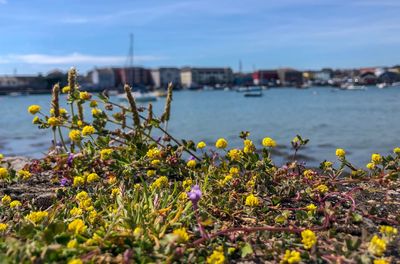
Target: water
column 361, row 122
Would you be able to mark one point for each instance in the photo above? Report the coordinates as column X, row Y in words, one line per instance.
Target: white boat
column 248, row 89
column 382, row 85
column 353, row 87
column 15, row 94
column 396, row 84
column 140, row 97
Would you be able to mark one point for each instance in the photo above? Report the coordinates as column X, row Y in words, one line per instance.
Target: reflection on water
column 361, row 122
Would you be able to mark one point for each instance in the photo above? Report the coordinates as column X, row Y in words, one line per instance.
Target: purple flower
column 192, row 158
column 70, row 159
column 64, row 182
column 194, row 195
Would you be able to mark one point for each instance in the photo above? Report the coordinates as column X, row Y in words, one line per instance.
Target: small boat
column 353, row 87
column 160, row 93
column 382, row 85
column 253, row 94
column 140, row 97
column 14, row 94
column 396, row 84
column 248, row 89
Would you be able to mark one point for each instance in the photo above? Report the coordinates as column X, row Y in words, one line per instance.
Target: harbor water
column 361, row 122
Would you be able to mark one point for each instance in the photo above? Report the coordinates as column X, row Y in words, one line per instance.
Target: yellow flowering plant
column 136, row 193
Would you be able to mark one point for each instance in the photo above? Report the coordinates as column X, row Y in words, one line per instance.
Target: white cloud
column 72, row 59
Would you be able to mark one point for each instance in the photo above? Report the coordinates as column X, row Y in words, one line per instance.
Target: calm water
column 362, row 122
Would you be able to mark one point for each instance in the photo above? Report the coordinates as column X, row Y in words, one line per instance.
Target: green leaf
column 246, row 250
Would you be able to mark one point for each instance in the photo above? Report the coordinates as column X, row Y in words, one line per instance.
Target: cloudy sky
column 40, row 35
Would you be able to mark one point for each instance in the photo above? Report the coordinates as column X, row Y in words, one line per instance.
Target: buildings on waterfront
column 164, row 75
column 196, row 77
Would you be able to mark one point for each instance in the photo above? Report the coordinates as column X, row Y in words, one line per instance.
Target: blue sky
column 40, row 35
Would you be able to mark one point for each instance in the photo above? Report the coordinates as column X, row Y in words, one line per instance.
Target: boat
column 140, row 97
column 253, row 94
column 352, row 87
column 248, row 89
column 14, row 94
column 160, row 93
column 396, row 84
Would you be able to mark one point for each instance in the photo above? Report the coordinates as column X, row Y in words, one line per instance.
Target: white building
column 194, row 77
column 162, row 76
column 102, row 78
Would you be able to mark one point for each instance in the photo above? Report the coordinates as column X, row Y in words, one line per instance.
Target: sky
column 41, row 35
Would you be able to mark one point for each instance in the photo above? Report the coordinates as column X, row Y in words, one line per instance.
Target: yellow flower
column 77, row 226
column 3, row 227
column 370, row 166
column 105, row 154
column 183, row 196
column 234, row 170
column 53, row 121
column 153, row 153
column 308, row 174
column 248, row 146
column 93, row 103
column 376, row 158
column 388, row 230
column 15, row 203
column 36, row 120
column 186, row 184
column 268, row 142
column 151, row 173
column 76, row 211
column 311, row 208
column 322, row 188
column 291, row 257
column 138, row 231
column 227, row 179
column 79, row 123
column 78, row 181
column 396, row 150
column 327, row 164
column 24, row 174
column 37, row 217
column 155, row 162
column 88, row 130
column 75, row 135
column 191, row 163
column 92, row 177
column 82, row 196
column 92, row 216
column 235, row 154
column 3, row 173
column 115, row 192
column 201, row 145
column 217, row 257
column 1, row 156
column 159, row 183
column 377, row 246
column 181, row 234
column 85, row 95
column 340, row 153
column 6, row 199
column 63, row 111
column 72, row 243
column 381, row 261
column 221, row 143
column 66, row 89
column 34, row 109
column 96, row 111
column 308, row 238
column 75, row 261
column 252, row 200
